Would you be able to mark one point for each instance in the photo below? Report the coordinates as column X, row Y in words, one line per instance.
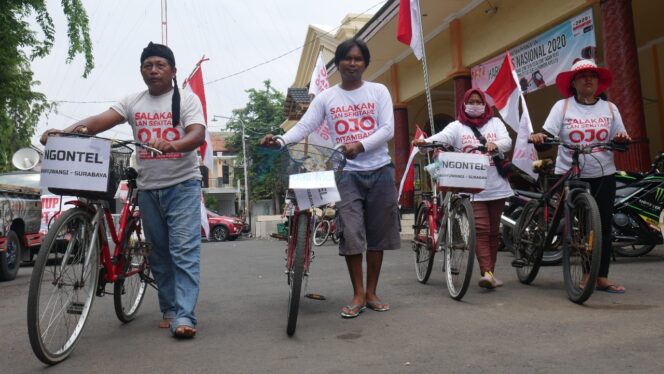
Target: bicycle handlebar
column 586, row 148
column 444, row 146
column 114, row 142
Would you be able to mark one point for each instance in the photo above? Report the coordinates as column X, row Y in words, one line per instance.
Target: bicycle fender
column 575, row 187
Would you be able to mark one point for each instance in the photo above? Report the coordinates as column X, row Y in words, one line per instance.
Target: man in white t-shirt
column 360, row 116
column 169, row 188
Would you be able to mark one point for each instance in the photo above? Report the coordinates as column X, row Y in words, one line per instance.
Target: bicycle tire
column 582, row 250
column 635, row 250
column 423, row 253
column 73, row 232
column 321, row 232
column 529, row 235
column 129, row 291
column 296, row 272
column 335, row 233
column 459, row 247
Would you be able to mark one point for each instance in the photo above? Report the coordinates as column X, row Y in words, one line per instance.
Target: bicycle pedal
column 75, row 308
column 518, row 263
column 315, row 296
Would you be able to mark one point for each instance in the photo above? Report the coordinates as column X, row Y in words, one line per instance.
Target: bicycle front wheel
column 321, row 232
column 422, row 245
column 459, row 247
column 128, row 292
column 529, row 236
column 582, row 250
column 62, row 286
column 296, row 271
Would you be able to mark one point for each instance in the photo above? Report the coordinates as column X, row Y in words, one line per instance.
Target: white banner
column 76, row 163
column 462, row 170
column 317, row 84
column 539, row 60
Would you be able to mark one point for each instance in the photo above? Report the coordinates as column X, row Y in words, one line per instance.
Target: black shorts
column 368, row 211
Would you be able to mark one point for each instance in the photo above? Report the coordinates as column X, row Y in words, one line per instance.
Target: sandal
column 184, row 332
column 352, row 311
column 612, row 288
column 378, row 306
column 165, row 323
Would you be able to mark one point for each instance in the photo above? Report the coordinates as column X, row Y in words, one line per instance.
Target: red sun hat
column 564, row 79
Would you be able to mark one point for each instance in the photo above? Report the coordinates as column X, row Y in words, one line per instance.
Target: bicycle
column 296, row 159
column 325, row 226
column 75, row 262
column 536, row 229
column 446, row 224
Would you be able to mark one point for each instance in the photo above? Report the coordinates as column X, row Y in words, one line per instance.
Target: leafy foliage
column 21, row 106
column 262, row 115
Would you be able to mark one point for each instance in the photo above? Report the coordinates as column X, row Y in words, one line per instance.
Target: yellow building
column 462, row 34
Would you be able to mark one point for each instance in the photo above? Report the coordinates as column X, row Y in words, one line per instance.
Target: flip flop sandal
column 378, row 306
column 184, row 332
column 165, row 323
column 352, row 311
column 612, row 288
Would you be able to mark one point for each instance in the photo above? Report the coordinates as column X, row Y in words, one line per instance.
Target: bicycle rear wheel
column 529, row 236
column 460, row 247
column 422, row 245
column 321, row 232
column 62, row 286
column 582, row 250
column 296, row 270
column 128, row 292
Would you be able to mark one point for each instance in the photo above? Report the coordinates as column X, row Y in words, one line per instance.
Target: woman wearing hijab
column 477, row 115
column 583, row 118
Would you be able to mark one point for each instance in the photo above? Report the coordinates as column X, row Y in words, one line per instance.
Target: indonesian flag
column 408, row 180
column 317, row 84
column 408, row 26
column 506, row 94
column 194, row 83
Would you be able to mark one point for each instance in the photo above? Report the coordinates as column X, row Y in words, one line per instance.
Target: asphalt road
column 242, row 322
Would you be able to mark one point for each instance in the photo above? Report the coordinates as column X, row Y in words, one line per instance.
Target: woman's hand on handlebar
column 418, row 142
column 622, row 137
column 491, row 147
column 537, row 138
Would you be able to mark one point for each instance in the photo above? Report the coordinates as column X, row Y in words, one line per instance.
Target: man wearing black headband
column 169, row 184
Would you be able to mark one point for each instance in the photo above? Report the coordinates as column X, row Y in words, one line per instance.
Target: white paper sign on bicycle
column 313, row 172
column 462, row 172
column 76, row 163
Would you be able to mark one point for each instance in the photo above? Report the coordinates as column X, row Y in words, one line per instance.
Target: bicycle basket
column 119, row 161
column 305, row 158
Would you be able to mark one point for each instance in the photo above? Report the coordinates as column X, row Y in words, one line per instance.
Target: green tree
column 262, row 114
column 20, row 105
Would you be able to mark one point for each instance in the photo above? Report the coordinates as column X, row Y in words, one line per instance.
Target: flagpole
column 425, row 67
column 427, row 88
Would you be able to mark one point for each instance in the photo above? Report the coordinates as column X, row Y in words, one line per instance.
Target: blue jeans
column 172, row 223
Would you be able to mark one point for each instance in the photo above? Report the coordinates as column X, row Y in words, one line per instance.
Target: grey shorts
column 368, row 211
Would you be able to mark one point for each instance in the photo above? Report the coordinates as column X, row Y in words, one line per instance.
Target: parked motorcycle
column 637, row 210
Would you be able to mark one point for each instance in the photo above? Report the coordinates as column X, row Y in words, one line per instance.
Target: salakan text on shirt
column 156, row 125
column 353, row 122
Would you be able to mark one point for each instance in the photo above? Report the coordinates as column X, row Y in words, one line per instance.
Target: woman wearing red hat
column 583, row 118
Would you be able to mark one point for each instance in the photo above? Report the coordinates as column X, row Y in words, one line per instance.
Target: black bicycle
column 536, row 229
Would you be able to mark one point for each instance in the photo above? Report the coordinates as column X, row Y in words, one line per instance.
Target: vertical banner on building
column 539, row 60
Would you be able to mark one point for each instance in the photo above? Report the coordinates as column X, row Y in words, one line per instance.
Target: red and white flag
column 407, row 183
column 319, row 83
column 408, row 26
column 506, row 94
column 194, row 83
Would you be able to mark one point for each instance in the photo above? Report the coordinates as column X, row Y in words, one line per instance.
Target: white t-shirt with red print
column 585, row 124
column 150, row 117
column 462, row 138
column 364, row 114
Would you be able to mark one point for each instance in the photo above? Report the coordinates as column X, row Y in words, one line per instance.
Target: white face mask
column 474, row 110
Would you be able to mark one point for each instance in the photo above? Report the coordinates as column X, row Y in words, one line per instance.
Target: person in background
column 583, row 118
column 360, row 116
column 169, row 185
column 476, row 118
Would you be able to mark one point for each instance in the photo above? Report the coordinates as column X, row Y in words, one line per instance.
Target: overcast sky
column 234, row 34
